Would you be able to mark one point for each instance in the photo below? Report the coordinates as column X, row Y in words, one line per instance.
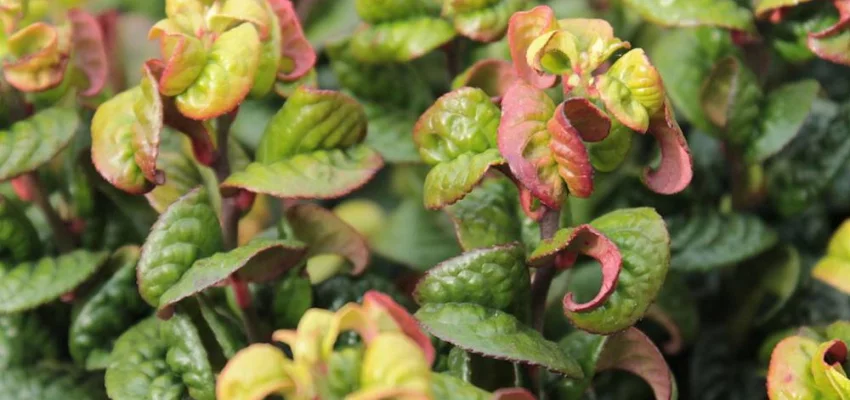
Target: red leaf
column 523, row 28
column 491, row 75
column 676, row 169
column 406, row 322
column 89, row 50
column 570, row 154
column 586, row 240
column 592, row 123
column 843, row 7
column 631, row 350
column 294, row 45
column 675, row 343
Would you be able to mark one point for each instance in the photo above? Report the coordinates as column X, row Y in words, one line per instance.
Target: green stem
column 549, row 224
column 62, row 236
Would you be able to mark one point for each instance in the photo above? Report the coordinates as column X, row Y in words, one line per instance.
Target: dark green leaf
column 48, row 382
column 109, row 311
column 186, row 232
column 18, row 238
column 30, row 284
column 416, row 237
column 293, row 296
column 782, row 117
column 30, row 143
column 496, row 334
column 24, row 341
column 710, row 240
column 490, row 215
column 445, row 386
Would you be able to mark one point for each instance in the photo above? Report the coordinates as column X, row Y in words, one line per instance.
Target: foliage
column 424, row 199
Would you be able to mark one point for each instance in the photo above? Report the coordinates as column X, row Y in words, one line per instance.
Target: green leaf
column 416, row 237
column 340, row 290
column 259, row 260
column 709, row 240
column 25, row 341
column 488, row 22
column 731, row 99
column 496, row 334
column 30, row 143
column 224, row 326
column 113, row 143
column 325, row 233
column 161, row 360
column 800, row 174
column 495, row 278
column 377, row 11
column 632, row 90
column 783, row 114
column 293, row 296
column 458, row 136
column 389, row 133
column 18, row 238
column 182, row 175
column 227, row 76
column 488, row 216
column 109, row 311
column 721, row 13
column 642, row 239
column 445, row 386
column 607, row 154
column 49, row 382
column 186, row 232
column 763, row 6
column 30, row 284
column 402, row 40
column 764, row 286
column 834, row 267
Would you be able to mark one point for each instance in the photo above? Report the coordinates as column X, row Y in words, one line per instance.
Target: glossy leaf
column 496, row 278
column 486, row 23
column 108, row 312
column 523, row 28
column 401, row 40
column 30, row 284
column 186, row 232
column 259, row 260
column 800, row 173
column 457, row 135
column 89, row 50
column 227, row 76
column 495, row 334
column 782, row 119
column 18, row 238
column 488, row 216
column 833, row 268
column 164, row 360
column 297, row 55
column 707, row 241
column 49, row 382
column 416, row 237
column 722, row 13
column 731, row 99
column 30, row 143
column 632, row 90
column 325, row 233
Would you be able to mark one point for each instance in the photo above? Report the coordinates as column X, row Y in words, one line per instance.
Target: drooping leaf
column 416, row 237
column 163, row 360
column 721, row 13
column 259, row 260
column 325, row 233
column 18, row 238
column 109, row 311
column 186, row 232
column 801, row 173
column 227, row 76
column 314, row 140
column 488, row 216
column 400, row 40
column 782, row 118
column 833, row 268
column 485, row 23
column 30, row 284
column 49, row 382
column 523, row 28
column 706, row 241
column 458, row 136
column 30, row 143
column 495, row 277
column 495, row 334
column 89, row 50
column 24, row 341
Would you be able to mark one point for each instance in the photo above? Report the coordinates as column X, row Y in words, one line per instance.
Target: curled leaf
column 146, row 130
column 632, row 351
column 113, row 151
column 241, row 379
column 405, row 321
column 523, row 28
column 570, row 153
column 297, row 55
column 89, row 50
column 675, row 171
column 184, row 58
column 38, row 61
column 632, row 90
column 325, row 233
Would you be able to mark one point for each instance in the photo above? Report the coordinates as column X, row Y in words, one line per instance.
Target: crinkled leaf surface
column 113, row 307
column 632, row 90
column 496, row 334
column 227, row 76
column 710, row 240
column 834, row 267
column 783, row 114
column 416, row 237
column 49, row 382
column 488, row 22
column 18, row 238
column 523, row 28
column 401, row 40
column 722, row 13
column 314, row 141
column 113, row 143
column 161, row 360
column 30, row 284
column 30, row 143
column 325, row 233
column 488, row 216
column 457, row 135
column 607, row 154
column 37, row 61
column 186, row 232
column 495, row 277
column 258, row 260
